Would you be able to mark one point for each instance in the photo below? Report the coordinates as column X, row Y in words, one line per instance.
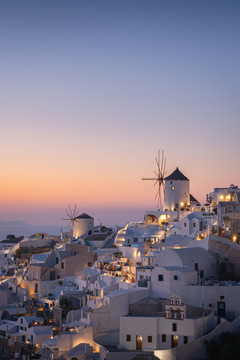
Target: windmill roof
column 176, row 175
column 84, row 216
column 193, row 199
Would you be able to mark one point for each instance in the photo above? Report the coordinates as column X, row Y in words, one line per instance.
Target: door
column 52, row 275
column 139, row 342
column 174, row 341
column 221, row 311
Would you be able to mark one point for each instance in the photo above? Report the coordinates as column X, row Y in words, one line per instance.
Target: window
column 135, row 239
column 62, row 265
column 160, row 277
column 128, row 338
column 185, row 339
column 221, row 297
column 175, row 277
column 89, row 264
column 172, row 188
column 21, row 321
column 194, row 225
column 185, row 224
column 36, row 288
column 196, row 266
column 150, row 339
column 163, row 337
column 174, row 327
column 31, row 338
column 201, row 274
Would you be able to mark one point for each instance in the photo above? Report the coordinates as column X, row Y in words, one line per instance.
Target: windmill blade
column 69, row 225
column 77, row 213
column 153, row 179
column 68, row 214
column 158, row 162
column 70, row 210
column 74, row 211
column 162, row 160
column 164, row 168
column 160, row 198
column 160, row 177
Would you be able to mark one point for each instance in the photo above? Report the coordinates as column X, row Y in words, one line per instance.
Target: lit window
column 172, row 188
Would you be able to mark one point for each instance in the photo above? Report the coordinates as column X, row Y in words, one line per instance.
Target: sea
column 19, row 228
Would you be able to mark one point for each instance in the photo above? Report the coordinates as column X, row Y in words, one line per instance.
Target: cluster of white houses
column 161, row 286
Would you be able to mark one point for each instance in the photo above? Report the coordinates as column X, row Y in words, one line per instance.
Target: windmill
column 71, row 218
column 159, row 177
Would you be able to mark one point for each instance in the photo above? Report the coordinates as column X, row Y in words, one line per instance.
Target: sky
column 91, row 90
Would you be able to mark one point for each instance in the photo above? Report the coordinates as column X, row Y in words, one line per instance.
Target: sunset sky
column 91, row 90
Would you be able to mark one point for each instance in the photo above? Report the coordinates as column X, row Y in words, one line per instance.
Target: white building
column 176, row 268
column 222, row 194
column 175, row 325
column 192, row 224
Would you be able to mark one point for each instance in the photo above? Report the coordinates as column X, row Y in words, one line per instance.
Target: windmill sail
column 159, row 177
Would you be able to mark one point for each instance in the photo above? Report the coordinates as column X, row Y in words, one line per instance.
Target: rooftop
column 84, row 216
column 176, row 175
